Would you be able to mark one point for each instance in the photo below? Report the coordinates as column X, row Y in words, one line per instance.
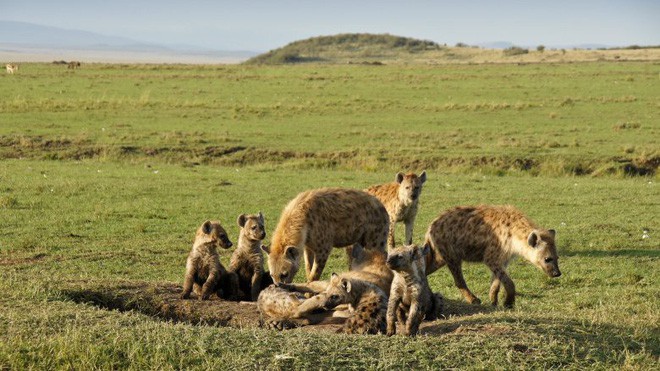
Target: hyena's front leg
column 410, row 222
column 494, row 289
column 310, row 258
column 392, row 309
column 414, row 319
column 209, row 286
column 255, row 289
column 390, row 235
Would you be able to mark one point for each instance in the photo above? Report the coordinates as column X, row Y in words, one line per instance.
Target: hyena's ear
column 207, row 227
column 399, row 177
column 422, row 177
column 261, row 217
column 533, row 239
column 265, row 248
column 346, row 284
column 552, row 232
column 241, row 220
column 292, row 253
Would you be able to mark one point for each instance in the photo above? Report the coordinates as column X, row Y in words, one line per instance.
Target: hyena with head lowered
column 317, row 220
column 290, row 305
column 494, row 235
column 247, row 261
column 411, row 299
column 401, row 199
column 204, row 271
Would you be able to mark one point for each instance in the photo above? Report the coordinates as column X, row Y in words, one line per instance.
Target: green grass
column 107, row 171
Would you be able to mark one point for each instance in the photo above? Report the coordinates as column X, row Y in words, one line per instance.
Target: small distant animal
column 401, row 199
column 315, row 221
column 11, row 68
column 411, row 299
column 493, row 235
column 73, row 65
column 247, row 261
column 204, row 272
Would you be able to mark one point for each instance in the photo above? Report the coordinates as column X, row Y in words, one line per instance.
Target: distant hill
column 21, row 41
column 344, row 46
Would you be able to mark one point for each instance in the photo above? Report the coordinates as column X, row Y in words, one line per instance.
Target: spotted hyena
column 73, row 65
column 204, row 272
column 494, row 235
column 411, row 299
column 282, row 307
column 367, row 301
column 247, row 261
column 315, row 221
column 401, row 199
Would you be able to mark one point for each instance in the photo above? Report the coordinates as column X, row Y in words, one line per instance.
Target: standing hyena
column 315, row 221
column 411, row 299
column 401, row 199
column 494, row 235
column 247, row 261
column 203, row 268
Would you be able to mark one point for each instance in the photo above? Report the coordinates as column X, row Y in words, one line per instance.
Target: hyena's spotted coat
column 494, row 235
column 315, row 221
column 401, row 199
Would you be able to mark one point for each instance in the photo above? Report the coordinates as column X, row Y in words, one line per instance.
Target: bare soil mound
column 162, row 300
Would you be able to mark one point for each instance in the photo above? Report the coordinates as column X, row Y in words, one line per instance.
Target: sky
column 261, row 25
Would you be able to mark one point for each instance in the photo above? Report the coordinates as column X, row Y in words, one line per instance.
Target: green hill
column 350, row 47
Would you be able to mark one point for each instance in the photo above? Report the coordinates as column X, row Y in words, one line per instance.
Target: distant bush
column 540, row 48
column 515, row 50
column 462, row 45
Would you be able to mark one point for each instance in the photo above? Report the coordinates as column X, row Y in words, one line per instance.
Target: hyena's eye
column 548, row 260
column 284, row 275
column 254, row 227
column 223, row 236
column 334, row 297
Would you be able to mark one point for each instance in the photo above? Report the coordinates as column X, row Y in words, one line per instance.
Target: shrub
column 540, row 48
column 515, row 50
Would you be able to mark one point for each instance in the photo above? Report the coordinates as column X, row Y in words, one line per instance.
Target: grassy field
column 106, row 172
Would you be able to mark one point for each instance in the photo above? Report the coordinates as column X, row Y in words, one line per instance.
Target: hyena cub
column 282, row 307
column 401, row 199
column 411, row 299
column 368, row 301
column 493, row 235
column 247, row 260
column 203, row 268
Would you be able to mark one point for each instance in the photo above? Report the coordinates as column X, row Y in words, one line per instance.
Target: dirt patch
column 31, row 260
column 162, row 300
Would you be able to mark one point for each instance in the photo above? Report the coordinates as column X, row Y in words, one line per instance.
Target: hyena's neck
column 248, row 245
column 207, row 247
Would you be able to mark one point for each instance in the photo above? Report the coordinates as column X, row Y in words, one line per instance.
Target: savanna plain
column 106, row 171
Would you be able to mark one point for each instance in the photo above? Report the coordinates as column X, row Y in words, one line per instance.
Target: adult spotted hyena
column 204, row 271
column 247, row 261
column 315, row 221
column 282, row 307
column 494, row 235
column 401, row 199
column 411, row 299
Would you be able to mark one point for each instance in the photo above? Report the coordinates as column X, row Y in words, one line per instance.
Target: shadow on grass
column 632, row 253
column 162, row 300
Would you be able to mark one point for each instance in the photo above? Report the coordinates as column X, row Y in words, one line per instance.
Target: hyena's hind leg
column 457, row 271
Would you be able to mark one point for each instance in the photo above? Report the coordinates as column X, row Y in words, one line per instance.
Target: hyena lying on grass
column 401, row 199
column 247, row 261
column 411, row 299
column 315, row 221
column 494, row 235
column 287, row 306
column 203, row 268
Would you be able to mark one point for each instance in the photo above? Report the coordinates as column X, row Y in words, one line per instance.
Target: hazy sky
column 260, row 25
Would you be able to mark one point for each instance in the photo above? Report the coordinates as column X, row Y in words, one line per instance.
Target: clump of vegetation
column 540, row 48
column 515, row 50
column 328, row 48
